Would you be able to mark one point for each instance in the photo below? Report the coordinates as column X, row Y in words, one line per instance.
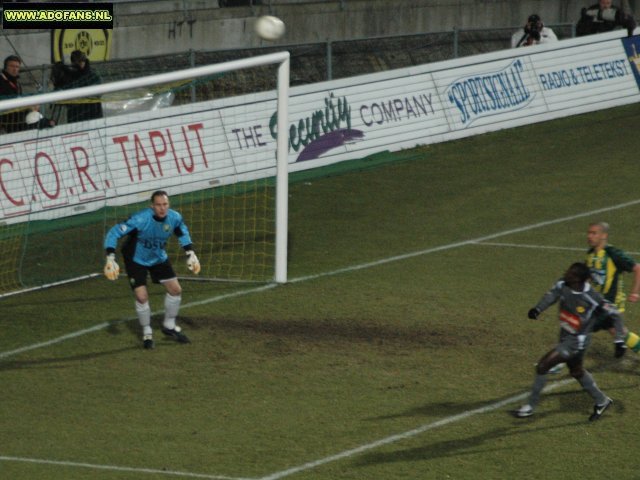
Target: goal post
column 223, row 161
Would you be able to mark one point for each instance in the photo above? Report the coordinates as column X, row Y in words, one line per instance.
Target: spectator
column 78, row 74
column 10, row 87
column 533, row 33
column 603, row 17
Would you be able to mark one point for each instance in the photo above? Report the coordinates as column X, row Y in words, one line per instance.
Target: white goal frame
column 282, row 59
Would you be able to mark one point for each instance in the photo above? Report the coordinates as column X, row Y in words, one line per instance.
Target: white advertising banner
column 61, row 171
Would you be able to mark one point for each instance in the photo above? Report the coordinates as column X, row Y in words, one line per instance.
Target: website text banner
column 63, row 171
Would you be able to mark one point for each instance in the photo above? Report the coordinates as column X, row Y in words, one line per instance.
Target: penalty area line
column 538, row 247
column 410, row 433
column 475, row 241
column 118, row 469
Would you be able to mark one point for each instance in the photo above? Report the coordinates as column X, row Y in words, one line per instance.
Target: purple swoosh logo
column 329, row 141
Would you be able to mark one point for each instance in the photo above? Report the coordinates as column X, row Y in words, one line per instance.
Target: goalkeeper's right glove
column 533, row 313
column 111, row 268
column 193, row 263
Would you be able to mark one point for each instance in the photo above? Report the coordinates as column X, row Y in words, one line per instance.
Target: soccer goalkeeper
column 147, row 233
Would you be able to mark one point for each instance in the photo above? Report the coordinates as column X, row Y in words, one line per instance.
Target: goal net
column 223, row 162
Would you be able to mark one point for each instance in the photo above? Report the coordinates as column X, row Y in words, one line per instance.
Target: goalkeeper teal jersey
column 607, row 267
column 148, row 236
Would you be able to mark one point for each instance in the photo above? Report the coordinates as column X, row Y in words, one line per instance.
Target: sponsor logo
column 323, row 130
column 570, row 319
column 490, row 93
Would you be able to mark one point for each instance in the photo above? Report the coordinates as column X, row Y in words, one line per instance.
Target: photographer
column 603, row 17
column 533, row 33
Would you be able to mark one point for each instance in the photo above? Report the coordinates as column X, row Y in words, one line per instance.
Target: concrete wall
column 165, row 26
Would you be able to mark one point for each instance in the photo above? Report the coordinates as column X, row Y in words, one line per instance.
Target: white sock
column 171, row 308
column 144, row 317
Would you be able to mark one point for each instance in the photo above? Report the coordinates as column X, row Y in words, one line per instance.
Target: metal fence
column 310, row 63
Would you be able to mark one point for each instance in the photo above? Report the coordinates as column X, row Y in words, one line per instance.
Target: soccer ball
column 269, row 27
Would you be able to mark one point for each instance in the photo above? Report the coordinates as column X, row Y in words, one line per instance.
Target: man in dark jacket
column 13, row 121
column 603, row 17
column 78, row 74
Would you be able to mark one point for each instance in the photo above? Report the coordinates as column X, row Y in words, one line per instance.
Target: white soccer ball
column 269, row 27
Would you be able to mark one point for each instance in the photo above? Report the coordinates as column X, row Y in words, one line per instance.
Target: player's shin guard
column 171, row 308
column 143, row 310
column 632, row 341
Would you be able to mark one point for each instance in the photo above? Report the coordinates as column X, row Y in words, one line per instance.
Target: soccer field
column 396, row 351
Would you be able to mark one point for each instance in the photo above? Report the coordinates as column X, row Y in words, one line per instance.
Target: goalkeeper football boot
column 176, row 334
column 598, row 410
column 147, row 342
column 523, row 412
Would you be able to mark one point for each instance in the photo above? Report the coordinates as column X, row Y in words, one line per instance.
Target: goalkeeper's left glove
column 193, row 263
column 111, row 268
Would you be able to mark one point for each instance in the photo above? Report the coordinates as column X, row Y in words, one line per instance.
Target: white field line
column 369, row 446
column 310, row 465
column 104, row 325
column 339, row 271
column 117, row 469
column 540, row 247
column 410, row 433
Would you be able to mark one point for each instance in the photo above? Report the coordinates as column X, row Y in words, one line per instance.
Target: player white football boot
column 523, row 412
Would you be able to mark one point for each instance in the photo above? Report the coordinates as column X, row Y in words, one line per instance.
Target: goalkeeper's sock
column 144, row 317
column 632, row 341
column 171, row 308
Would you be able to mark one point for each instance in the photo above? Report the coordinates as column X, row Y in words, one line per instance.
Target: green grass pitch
column 395, row 352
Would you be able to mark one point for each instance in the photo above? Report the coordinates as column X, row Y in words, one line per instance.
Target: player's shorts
column 138, row 273
column 569, row 345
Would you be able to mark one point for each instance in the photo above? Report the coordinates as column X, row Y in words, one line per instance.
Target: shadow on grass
column 60, row 362
column 332, row 330
column 454, row 448
column 567, row 402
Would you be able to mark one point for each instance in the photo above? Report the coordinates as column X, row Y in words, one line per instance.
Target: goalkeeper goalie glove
column 193, row 263
column 111, row 268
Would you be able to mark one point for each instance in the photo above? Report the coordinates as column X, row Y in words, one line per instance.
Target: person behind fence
column 604, row 17
column 10, row 87
column 533, row 33
column 78, row 74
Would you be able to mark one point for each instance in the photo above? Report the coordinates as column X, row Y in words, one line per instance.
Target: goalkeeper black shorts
column 138, row 273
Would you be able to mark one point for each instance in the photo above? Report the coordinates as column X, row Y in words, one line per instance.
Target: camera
column 534, row 27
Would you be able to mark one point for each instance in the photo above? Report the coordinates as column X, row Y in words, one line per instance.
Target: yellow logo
column 580, row 309
column 94, row 43
column 166, row 227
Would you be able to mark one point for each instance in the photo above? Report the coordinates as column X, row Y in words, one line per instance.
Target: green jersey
column 607, row 267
